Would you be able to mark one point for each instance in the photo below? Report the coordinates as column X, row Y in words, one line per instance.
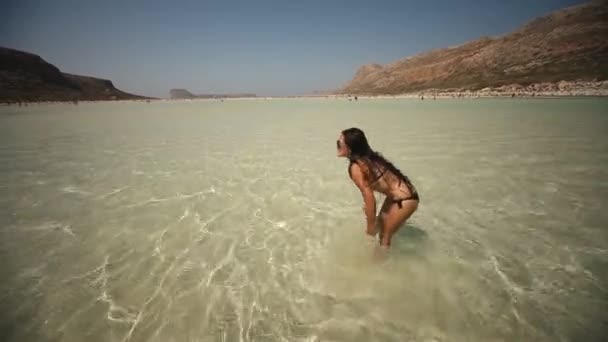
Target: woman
column 370, row 171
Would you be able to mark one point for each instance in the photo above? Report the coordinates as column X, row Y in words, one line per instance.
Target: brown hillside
column 569, row 44
column 27, row 77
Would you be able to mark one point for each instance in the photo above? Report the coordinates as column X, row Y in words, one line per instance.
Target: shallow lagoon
column 234, row 221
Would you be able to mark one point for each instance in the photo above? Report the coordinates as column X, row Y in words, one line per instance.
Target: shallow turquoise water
column 234, row 221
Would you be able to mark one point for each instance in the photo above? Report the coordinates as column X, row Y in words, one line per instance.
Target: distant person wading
column 370, row 172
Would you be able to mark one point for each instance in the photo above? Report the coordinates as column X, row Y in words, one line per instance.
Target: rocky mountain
column 567, row 45
column 185, row 94
column 25, row 77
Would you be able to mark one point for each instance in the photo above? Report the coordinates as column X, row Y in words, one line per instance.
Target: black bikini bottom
column 399, row 201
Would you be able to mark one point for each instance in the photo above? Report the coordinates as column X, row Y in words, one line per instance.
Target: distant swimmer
column 370, row 172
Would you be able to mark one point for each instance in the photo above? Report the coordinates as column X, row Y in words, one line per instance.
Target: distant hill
column 185, row 94
column 26, row 77
column 567, row 45
column 180, row 94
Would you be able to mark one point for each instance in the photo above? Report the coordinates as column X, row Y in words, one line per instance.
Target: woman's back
column 385, row 181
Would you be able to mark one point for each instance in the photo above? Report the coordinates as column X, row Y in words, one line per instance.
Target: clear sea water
column 235, row 221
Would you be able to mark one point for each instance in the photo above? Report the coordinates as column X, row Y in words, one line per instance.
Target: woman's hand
column 371, row 230
column 374, row 229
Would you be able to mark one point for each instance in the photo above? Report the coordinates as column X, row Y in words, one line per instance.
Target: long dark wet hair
column 361, row 151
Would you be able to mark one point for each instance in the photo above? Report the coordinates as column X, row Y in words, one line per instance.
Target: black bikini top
column 378, row 172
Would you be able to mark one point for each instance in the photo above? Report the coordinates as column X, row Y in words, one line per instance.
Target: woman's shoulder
column 358, row 166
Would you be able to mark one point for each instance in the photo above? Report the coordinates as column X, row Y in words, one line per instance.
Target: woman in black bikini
column 370, row 171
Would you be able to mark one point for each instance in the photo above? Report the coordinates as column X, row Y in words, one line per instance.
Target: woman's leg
column 381, row 217
column 393, row 217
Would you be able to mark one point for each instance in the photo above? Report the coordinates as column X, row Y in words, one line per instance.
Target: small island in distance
column 182, row 94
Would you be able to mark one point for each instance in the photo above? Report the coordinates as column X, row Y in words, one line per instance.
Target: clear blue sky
column 266, row 47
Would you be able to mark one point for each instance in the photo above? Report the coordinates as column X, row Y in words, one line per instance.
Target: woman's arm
column 359, row 177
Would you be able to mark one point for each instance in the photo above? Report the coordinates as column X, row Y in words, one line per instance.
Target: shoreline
column 559, row 90
column 562, row 89
column 425, row 97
